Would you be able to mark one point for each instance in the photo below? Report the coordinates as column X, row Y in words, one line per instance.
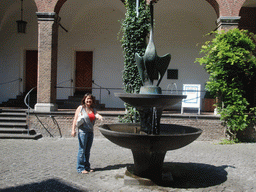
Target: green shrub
column 230, row 60
column 134, row 30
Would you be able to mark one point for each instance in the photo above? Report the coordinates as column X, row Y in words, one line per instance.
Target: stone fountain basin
column 171, row 136
column 142, row 101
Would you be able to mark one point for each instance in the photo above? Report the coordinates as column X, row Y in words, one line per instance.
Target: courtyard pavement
column 48, row 164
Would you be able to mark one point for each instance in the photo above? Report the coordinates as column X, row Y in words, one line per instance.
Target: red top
column 91, row 116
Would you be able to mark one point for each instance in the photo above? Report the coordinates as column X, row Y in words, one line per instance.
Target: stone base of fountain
column 149, row 150
column 131, row 179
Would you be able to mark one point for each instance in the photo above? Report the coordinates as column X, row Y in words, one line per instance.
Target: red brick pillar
column 228, row 12
column 47, row 61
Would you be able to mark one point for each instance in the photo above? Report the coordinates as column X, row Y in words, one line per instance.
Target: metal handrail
column 19, row 79
column 102, row 87
column 99, row 87
column 13, row 81
column 91, row 88
column 100, row 90
column 28, row 96
column 27, row 104
column 71, row 80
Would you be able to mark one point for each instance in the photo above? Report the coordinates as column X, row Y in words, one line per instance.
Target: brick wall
column 59, row 125
column 230, row 7
column 212, row 128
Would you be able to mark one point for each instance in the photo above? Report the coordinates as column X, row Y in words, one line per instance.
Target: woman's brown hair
column 88, row 95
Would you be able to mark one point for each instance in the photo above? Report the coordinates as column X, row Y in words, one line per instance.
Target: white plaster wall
column 97, row 31
column 179, row 27
column 12, row 48
column 93, row 26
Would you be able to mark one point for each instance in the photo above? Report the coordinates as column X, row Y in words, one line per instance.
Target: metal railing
column 170, row 90
column 27, row 102
column 100, row 91
column 65, row 81
column 27, row 99
column 13, row 81
column 100, row 88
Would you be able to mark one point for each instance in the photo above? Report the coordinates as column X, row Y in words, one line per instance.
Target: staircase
column 13, row 125
column 74, row 101
column 71, row 103
column 19, row 102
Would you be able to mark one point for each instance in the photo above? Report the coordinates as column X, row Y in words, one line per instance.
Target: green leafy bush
column 230, row 60
column 134, row 30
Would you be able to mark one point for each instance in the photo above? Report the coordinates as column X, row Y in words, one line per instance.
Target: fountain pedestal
column 148, row 164
column 149, row 150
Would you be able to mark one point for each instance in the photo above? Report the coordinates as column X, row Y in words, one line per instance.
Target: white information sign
column 193, row 97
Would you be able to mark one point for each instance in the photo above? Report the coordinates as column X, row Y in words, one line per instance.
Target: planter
column 249, row 134
column 208, row 104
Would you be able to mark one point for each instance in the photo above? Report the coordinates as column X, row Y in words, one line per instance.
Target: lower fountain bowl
column 171, row 136
column 149, row 150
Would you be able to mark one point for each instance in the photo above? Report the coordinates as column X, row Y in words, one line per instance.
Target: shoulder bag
column 80, row 119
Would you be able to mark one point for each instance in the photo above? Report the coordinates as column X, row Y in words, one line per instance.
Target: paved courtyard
column 48, row 164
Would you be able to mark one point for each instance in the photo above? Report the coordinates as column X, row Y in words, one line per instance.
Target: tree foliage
column 135, row 31
column 230, row 60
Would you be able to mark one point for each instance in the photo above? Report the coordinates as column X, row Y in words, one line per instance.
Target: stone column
column 227, row 22
column 47, row 62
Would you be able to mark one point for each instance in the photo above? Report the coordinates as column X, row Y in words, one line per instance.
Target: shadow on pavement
column 111, row 167
column 194, row 175
column 186, row 175
column 45, row 186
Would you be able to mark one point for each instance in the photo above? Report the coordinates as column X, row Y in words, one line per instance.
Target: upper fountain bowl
column 142, row 101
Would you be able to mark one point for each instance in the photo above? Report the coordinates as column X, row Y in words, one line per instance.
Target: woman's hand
column 98, row 116
column 73, row 133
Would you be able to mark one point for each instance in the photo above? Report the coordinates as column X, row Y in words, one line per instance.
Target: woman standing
column 85, row 132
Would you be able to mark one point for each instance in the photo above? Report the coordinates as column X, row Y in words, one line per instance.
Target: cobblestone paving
column 48, row 164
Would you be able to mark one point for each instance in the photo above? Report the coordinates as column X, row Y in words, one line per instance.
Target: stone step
column 75, row 104
column 13, row 119
column 7, row 114
column 13, row 124
column 20, row 136
column 17, row 130
column 12, row 110
column 19, row 101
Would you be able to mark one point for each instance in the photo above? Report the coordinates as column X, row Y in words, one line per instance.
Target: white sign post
column 193, row 97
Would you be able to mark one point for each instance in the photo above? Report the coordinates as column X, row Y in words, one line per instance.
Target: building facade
column 71, row 44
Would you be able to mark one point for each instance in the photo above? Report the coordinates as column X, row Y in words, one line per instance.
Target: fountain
column 150, row 140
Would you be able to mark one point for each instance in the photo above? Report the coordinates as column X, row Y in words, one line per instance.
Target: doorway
column 31, row 70
column 83, row 73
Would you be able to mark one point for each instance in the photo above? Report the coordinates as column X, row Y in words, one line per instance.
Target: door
column 31, row 69
column 83, row 72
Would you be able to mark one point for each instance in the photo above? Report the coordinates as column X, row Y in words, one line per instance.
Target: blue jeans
column 85, row 140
